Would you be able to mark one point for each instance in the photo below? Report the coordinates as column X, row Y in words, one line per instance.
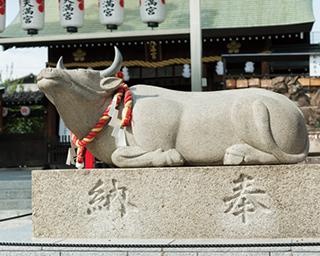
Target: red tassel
column 89, row 162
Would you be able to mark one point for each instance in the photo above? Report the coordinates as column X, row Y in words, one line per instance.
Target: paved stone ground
column 18, row 234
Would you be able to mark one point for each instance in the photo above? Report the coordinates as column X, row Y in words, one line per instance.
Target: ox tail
column 262, row 122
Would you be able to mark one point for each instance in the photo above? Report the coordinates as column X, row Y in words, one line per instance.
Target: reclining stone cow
column 171, row 128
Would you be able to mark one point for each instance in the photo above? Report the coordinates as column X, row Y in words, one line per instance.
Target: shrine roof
column 216, row 15
column 23, row 98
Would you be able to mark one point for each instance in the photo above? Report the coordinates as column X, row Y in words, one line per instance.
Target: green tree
column 10, row 85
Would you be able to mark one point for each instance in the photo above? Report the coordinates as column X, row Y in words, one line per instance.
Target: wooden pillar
column 51, row 122
column 195, row 44
column 1, row 107
column 265, row 68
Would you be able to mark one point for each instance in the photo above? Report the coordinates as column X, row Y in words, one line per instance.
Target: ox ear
column 110, row 84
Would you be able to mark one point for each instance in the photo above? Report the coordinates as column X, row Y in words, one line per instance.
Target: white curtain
column 64, row 132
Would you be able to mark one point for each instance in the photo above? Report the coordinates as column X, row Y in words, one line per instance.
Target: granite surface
column 223, row 202
column 174, row 128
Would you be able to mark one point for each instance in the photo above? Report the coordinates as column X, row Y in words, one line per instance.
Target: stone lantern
column 32, row 15
column 111, row 13
column 2, row 15
column 71, row 14
column 152, row 12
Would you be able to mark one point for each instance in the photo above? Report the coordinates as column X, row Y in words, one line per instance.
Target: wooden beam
column 51, row 122
column 78, row 37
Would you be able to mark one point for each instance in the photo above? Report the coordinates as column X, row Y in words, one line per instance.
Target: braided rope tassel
column 81, row 144
column 127, row 110
column 123, row 90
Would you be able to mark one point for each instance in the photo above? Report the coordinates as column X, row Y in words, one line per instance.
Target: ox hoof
column 235, row 155
column 232, row 159
column 133, row 156
column 246, row 154
column 174, row 158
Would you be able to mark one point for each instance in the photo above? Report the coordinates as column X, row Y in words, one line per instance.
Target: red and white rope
column 123, row 94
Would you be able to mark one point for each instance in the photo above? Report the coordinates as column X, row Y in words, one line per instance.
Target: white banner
column 314, row 62
column 64, row 132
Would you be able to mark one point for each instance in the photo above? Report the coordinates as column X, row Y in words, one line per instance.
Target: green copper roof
column 215, row 14
column 251, row 13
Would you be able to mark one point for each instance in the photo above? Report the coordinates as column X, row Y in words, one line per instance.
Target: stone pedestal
column 225, row 202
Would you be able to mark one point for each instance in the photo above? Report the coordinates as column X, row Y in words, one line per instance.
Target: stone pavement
column 16, row 230
column 15, row 240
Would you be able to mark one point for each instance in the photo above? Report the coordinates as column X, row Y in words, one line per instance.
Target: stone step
column 15, row 184
column 5, row 214
column 24, row 193
column 15, row 204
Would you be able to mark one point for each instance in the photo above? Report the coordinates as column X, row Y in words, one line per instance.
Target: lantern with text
column 32, row 15
column 71, row 14
column 111, row 13
column 25, row 111
column 2, row 15
column 152, row 12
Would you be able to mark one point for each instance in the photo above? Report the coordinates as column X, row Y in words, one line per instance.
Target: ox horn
column 116, row 65
column 60, row 64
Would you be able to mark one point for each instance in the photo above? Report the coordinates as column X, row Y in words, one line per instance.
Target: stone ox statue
column 172, row 128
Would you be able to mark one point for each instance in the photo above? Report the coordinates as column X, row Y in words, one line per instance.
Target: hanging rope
column 123, row 93
column 138, row 63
